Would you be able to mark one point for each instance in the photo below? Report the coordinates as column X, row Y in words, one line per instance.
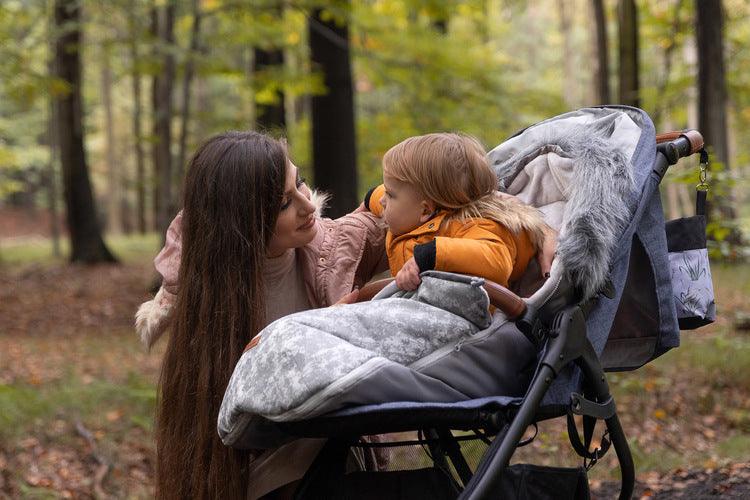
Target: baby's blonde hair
column 452, row 171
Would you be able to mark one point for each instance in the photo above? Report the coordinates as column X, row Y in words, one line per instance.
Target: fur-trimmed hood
column 598, row 199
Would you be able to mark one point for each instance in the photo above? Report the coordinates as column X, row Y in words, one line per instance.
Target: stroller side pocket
column 691, row 275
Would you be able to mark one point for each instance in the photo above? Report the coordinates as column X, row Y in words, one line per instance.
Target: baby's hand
column 408, row 277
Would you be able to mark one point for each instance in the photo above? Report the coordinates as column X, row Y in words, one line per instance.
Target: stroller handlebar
column 506, row 301
column 686, row 142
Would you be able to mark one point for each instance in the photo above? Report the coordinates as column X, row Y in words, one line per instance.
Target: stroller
column 613, row 302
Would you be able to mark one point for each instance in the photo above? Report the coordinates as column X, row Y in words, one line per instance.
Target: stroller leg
column 627, row 469
column 567, row 342
column 436, row 450
column 497, row 457
column 597, row 383
column 453, row 449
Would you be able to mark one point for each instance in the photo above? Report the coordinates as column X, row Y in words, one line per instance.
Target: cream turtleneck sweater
column 285, row 286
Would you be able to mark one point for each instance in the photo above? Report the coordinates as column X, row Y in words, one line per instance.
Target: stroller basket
column 467, row 381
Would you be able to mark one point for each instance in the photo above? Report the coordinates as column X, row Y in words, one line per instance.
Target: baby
column 443, row 212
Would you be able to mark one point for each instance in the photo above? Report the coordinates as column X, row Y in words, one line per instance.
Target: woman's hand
column 546, row 254
column 349, row 298
column 408, row 277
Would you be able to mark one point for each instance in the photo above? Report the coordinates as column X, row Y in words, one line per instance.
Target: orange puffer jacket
column 478, row 247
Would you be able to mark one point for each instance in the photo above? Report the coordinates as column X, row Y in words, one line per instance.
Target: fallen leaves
column 70, row 461
column 64, row 300
column 731, row 481
column 74, row 321
column 77, row 321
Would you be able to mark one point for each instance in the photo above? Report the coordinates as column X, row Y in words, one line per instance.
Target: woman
column 247, row 248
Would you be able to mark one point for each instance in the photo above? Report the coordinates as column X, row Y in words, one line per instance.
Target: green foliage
column 24, row 83
column 412, row 78
column 485, row 68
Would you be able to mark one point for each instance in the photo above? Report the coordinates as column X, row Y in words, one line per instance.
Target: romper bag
column 688, row 259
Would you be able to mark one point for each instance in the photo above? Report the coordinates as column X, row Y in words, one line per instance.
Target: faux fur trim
column 320, row 200
column 153, row 317
column 509, row 212
column 598, row 209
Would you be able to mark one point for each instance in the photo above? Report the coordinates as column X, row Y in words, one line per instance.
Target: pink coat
column 345, row 253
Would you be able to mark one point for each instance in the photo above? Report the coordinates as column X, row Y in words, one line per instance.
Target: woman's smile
column 309, row 223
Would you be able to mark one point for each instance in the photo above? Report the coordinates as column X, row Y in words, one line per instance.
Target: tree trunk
column 202, row 106
column 155, row 86
column 333, row 133
column 661, row 88
column 113, row 173
column 52, row 190
column 52, row 182
column 270, row 116
column 140, row 160
column 187, row 82
column 570, row 83
column 712, row 92
column 712, row 101
column 86, row 241
column 627, row 15
column 601, row 76
column 163, row 21
column 440, row 17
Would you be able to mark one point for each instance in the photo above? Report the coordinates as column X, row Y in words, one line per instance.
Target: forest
column 103, row 102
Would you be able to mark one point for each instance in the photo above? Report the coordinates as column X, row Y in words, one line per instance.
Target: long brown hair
column 452, row 170
column 233, row 192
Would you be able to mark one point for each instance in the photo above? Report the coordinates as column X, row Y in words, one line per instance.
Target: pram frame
column 559, row 330
column 566, row 343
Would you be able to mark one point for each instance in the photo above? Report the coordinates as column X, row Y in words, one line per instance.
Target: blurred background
column 103, row 102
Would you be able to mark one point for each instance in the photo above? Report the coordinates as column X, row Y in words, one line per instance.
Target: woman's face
column 295, row 226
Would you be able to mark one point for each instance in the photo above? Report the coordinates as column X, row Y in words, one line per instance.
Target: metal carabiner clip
column 703, row 174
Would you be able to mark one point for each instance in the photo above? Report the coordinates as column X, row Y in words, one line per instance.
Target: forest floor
column 77, row 391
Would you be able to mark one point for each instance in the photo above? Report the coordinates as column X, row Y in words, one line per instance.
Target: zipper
column 450, row 349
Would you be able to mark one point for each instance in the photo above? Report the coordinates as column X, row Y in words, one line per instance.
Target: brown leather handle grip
column 371, row 289
column 694, row 137
column 508, row 302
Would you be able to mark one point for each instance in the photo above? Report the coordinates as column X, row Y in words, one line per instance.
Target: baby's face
column 404, row 208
